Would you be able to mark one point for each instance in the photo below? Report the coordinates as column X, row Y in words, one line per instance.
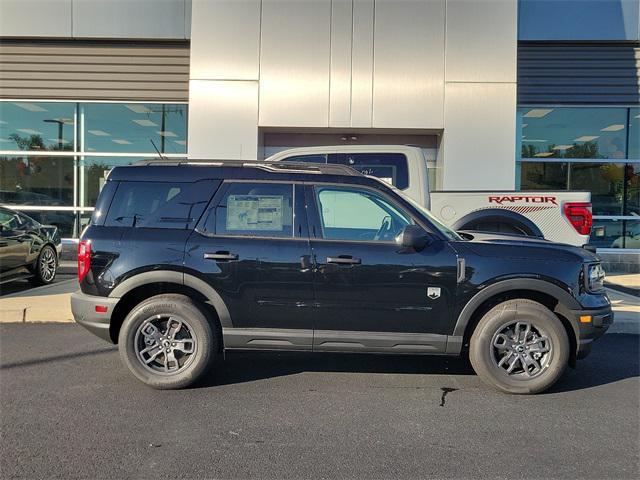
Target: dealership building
column 500, row 94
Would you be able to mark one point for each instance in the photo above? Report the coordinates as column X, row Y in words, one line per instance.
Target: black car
column 184, row 261
column 27, row 248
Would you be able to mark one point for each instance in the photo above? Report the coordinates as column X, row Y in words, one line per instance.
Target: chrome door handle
column 222, row 256
column 344, row 260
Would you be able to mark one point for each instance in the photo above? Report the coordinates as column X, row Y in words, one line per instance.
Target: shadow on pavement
column 239, row 367
column 23, row 288
column 54, row 358
column 614, row 358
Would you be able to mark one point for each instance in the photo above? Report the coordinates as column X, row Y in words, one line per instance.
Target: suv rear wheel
column 167, row 342
column 519, row 346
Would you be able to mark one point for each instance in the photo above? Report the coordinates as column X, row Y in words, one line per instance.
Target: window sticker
column 254, row 212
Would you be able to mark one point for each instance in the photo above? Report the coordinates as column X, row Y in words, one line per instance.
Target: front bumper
column 83, row 307
column 587, row 332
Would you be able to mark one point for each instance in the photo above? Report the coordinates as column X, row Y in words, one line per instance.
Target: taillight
column 84, row 258
column 580, row 216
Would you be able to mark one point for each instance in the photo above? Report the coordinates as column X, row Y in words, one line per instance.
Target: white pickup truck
column 559, row 216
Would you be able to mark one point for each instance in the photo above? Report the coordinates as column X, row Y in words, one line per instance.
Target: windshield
column 442, row 228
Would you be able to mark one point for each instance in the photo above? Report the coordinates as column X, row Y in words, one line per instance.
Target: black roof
column 193, row 170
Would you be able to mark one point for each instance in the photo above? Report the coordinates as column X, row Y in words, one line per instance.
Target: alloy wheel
column 47, row 265
column 521, row 349
column 165, row 344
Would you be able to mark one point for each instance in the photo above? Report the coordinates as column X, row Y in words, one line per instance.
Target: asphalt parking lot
column 69, row 409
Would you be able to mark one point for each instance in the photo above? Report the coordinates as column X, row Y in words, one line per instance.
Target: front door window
column 358, row 215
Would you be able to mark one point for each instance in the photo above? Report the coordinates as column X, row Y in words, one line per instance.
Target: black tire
column 492, row 342
column 136, row 336
column 46, row 266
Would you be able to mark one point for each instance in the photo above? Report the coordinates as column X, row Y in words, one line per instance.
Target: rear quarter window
column 176, row 205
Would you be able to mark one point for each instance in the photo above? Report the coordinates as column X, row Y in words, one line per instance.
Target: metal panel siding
column 94, row 71
column 294, row 63
column 408, row 73
column 35, row 18
column 228, row 40
column 476, row 52
column 223, row 119
column 129, row 19
column 561, row 72
column 340, row 81
column 479, row 137
column 362, row 64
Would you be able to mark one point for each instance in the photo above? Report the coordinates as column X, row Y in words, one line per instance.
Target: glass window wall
column 586, row 148
column 55, row 156
column 578, row 19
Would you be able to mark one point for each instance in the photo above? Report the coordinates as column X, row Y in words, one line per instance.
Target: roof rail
column 283, row 166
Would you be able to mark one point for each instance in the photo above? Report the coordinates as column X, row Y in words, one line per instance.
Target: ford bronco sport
column 182, row 261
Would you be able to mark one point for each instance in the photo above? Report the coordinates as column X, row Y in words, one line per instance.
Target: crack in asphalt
column 446, row 390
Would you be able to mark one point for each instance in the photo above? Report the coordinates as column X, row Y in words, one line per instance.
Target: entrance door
column 372, row 294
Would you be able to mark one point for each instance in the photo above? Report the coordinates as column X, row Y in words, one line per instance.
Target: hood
column 519, row 246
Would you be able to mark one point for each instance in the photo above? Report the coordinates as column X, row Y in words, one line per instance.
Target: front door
column 372, row 294
column 252, row 247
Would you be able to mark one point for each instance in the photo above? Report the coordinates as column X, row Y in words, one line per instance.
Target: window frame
column 299, row 226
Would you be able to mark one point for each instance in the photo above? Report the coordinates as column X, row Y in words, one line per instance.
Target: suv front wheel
column 519, row 346
column 167, row 342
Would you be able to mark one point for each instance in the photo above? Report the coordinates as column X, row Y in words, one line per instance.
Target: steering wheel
column 385, row 228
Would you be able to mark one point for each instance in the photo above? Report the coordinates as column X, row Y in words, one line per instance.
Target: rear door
column 371, row 294
column 252, row 247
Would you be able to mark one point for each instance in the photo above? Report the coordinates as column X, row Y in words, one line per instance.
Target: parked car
column 27, row 248
column 559, row 216
column 183, row 261
column 631, row 237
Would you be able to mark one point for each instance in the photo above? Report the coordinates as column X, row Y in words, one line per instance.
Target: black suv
column 183, row 261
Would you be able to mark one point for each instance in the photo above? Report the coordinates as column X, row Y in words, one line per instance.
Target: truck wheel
column 46, row 266
column 167, row 342
column 519, row 346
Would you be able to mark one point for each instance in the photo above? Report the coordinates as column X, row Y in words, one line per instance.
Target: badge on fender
column 433, row 292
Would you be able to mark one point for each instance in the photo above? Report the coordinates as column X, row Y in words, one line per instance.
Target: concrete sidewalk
column 626, row 309
column 628, row 283
column 51, row 304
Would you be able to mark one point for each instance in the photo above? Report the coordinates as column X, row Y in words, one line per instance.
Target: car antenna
column 154, row 146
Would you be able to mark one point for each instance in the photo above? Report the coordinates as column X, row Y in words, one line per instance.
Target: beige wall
column 320, row 64
column 358, row 64
column 148, row 19
column 437, row 65
column 479, row 139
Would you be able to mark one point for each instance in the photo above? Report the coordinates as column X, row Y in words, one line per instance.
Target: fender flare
column 498, row 214
column 565, row 299
column 180, row 278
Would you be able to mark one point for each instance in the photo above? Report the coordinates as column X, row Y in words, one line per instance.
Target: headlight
column 594, row 277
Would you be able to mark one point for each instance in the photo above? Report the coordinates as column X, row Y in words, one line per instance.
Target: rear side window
column 254, row 209
column 389, row 167
column 159, row 204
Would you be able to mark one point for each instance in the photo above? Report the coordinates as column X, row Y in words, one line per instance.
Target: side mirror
column 413, row 236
